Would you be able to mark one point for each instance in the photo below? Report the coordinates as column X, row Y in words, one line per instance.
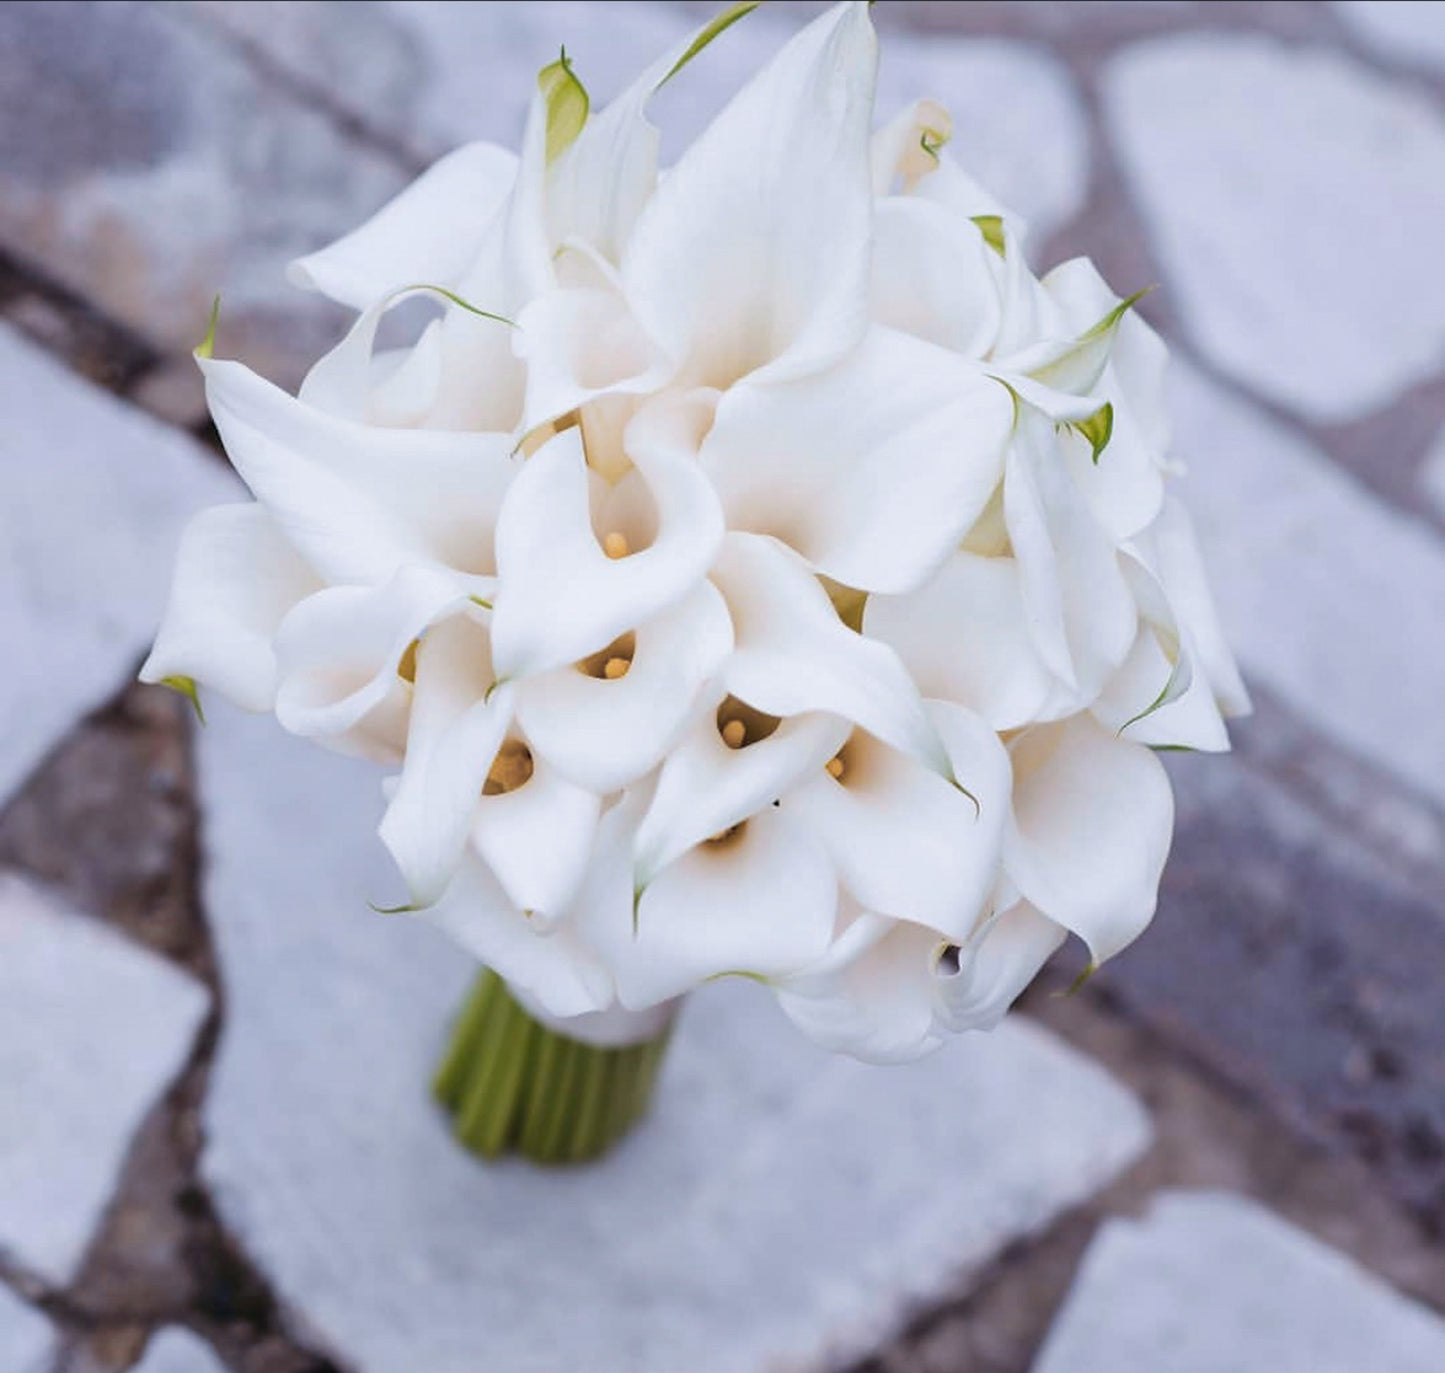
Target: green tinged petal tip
column 207, row 346
column 568, row 105
column 990, row 226
column 408, row 909
column 716, row 25
column 455, row 299
column 1077, row 985
column 1098, row 429
column 187, row 686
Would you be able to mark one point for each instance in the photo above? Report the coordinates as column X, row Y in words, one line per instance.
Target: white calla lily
column 873, row 470
column 456, row 729
column 236, row 578
column 753, row 253
column 560, row 596
column 339, row 659
column 793, row 655
column 355, row 501
column 1092, row 818
column 431, row 232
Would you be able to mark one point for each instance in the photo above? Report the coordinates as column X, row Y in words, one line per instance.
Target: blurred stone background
column 1226, row 1152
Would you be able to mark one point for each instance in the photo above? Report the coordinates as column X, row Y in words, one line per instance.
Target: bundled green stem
column 513, row 1085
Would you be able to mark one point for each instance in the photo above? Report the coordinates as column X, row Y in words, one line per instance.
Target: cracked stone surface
column 27, row 1339
column 1207, row 1281
column 178, row 1351
column 1285, row 188
column 87, row 538
column 779, row 1208
column 148, row 167
column 1308, row 568
column 92, row 1031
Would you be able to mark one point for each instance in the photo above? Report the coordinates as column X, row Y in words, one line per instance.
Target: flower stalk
column 515, row 1085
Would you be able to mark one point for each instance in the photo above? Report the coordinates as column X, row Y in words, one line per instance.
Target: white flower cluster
column 752, row 570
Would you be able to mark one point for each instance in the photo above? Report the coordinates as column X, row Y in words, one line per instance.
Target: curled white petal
column 356, row 501
column 430, row 232
column 235, row 579
column 761, row 901
column 554, row 967
column 1090, row 830
column 605, row 733
column 964, row 637
column 338, row 654
column 873, row 470
column 560, row 597
column 456, row 728
column 905, row 842
column 537, row 840
column 794, row 655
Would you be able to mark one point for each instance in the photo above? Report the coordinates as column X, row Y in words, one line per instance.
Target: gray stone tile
column 1291, row 195
column 92, row 1031
column 145, row 165
column 408, row 71
column 27, row 1339
column 1432, row 473
column 1331, row 598
column 780, row 1208
column 1405, row 30
column 1207, row 1282
column 93, row 496
column 1301, row 965
column 174, row 1350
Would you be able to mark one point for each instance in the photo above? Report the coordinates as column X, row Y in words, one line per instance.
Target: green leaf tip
column 1172, row 690
column 207, row 346
column 977, row 809
column 409, row 909
column 455, row 299
column 719, row 23
column 738, row 972
column 1098, row 429
column 186, row 686
column 1111, row 320
column 568, row 105
column 990, row 226
column 1077, row 985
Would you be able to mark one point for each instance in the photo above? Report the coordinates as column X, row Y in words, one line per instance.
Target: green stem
column 514, row 1085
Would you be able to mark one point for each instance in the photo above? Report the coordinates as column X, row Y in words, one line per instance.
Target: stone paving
column 1209, row 1275
column 210, row 1156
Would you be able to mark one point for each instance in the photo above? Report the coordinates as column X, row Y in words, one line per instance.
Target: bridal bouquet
column 751, row 569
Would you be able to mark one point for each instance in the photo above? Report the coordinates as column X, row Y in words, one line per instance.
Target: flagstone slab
column 1207, row 1281
column 147, row 166
column 780, row 1208
column 409, row 71
column 1292, row 197
column 1432, row 473
column 1407, row 30
column 27, row 1339
column 1330, row 597
column 174, row 1350
column 93, row 1030
column 93, row 497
